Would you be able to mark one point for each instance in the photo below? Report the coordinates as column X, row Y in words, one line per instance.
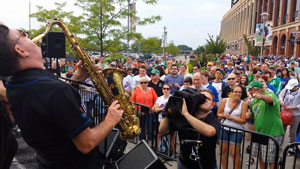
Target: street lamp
column 264, row 18
column 128, row 27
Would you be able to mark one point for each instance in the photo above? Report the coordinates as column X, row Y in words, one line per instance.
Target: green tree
column 149, row 45
column 100, row 24
column 200, row 50
column 214, row 47
column 172, row 49
column 103, row 21
column 43, row 15
column 184, row 47
column 252, row 50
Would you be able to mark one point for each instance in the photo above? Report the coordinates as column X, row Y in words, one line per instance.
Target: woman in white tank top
column 237, row 118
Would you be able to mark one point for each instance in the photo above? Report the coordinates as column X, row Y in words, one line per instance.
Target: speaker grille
column 138, row 158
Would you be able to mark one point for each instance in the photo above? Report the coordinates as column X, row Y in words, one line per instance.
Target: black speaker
column 112, row 147
column 54, row 45
column 140, row 157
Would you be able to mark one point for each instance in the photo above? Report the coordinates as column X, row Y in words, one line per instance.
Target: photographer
column 201, row 125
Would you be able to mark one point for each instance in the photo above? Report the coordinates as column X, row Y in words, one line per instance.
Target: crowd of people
column 235, row 90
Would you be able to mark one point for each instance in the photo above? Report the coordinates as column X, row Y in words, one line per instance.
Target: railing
column 296, row 147
column 97, row 111
column 240, row 149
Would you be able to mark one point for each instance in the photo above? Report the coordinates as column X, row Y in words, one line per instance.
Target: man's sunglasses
column 22, row 34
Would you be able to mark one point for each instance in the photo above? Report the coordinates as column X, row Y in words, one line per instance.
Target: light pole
column 164, row 40
column 128, row 28
column 264, row 18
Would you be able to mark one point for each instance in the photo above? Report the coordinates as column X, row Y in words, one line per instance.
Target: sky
column 188, row 22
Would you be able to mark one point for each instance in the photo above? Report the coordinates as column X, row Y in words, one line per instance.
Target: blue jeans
column 231, row 137
column 146, row 122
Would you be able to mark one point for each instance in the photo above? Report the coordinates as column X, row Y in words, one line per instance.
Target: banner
column 258, row 34
column 132, row 8
column 164, row 43
column 269, row 33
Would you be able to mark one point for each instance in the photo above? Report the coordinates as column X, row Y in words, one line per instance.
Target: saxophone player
column 47, row 110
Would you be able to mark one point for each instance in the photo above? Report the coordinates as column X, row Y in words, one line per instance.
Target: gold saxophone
column 113, row 90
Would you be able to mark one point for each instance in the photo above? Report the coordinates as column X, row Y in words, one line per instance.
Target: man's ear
column 20, row 52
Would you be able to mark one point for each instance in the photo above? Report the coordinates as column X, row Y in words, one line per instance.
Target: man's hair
column 174, row 65
column 143, row 67
column 204, row 73
column 183, row 65
column 8, row 57
column 267, row 72
column 188, row 79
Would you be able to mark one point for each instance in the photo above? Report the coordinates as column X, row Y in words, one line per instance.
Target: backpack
column 164, row 146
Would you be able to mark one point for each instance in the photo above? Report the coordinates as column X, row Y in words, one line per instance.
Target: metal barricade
column 93, row 104
column 151, row 123
column 97, row 111
column 292, row 158
column 261, row 141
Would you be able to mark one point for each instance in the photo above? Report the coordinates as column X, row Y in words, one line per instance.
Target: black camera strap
column 238, row 103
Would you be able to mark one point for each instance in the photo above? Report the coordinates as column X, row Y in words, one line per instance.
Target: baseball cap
column 292, row 62
column 273, row 67
column 257, row 84
column 155, row 71
column 241, row 68
column 210, row 64
column 222, row 71
column 291, row 84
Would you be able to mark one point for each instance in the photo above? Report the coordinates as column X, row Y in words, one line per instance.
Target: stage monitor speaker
column 140, row 157
column 54, row 45
column 112, row 147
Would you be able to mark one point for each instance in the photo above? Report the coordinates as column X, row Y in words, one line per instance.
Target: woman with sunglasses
column 236, row 118
column 160, row 105
column 145, row 95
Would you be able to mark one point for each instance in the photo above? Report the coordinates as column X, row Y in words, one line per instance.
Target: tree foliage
column 172, row 49
column 252, row 50
column 200, row 50
column 101, row 23
column 214, row 47
column 184, row 47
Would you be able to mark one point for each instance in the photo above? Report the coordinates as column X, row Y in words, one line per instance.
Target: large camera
column 193, row 99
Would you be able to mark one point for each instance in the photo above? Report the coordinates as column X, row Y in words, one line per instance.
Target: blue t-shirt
column 298, row 140
column 172, row 80
column 284, row 81
column 228, row 71
column 271, row 88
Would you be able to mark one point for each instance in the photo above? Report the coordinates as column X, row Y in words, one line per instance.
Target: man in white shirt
column 101, row 63
column 142, row 73
column 128, row 81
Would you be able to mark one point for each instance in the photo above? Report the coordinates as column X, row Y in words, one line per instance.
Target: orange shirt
column 148, row 98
